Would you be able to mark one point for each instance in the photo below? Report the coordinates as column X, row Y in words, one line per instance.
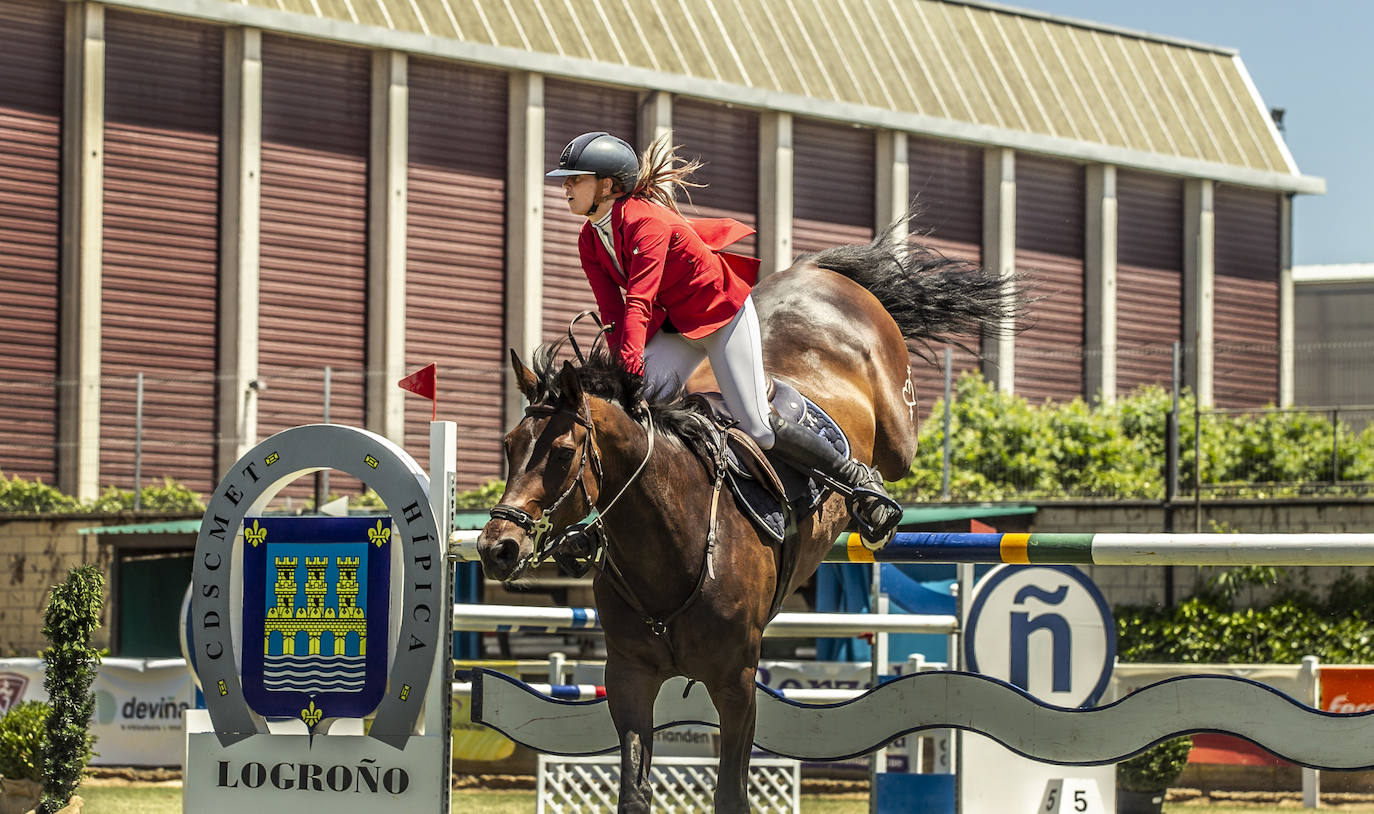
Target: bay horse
column 687, row 583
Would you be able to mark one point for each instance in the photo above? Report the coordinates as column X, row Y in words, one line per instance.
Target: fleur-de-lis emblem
column 312, row 715
column 255, row 535
column 379, row 535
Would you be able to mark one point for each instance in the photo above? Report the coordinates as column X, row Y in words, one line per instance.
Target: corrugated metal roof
column 973, row 63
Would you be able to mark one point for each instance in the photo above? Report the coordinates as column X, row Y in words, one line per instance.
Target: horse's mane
column 601, row 375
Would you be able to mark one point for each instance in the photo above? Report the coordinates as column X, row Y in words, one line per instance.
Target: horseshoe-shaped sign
column 402, row 485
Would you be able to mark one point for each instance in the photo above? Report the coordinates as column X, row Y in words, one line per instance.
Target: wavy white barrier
column 938, row 700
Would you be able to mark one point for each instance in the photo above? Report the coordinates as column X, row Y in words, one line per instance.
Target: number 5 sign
column 1071, row 795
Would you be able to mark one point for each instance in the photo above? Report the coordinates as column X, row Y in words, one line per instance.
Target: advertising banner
column 139, row 706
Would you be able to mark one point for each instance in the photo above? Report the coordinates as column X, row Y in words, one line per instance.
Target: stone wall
column 37, row 553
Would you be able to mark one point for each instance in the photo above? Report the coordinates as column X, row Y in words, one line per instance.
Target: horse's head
column 554, row 470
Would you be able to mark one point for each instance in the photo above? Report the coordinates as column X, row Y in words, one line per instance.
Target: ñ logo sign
column 1061, row 637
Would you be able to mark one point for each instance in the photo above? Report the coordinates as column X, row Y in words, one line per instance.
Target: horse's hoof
column 880, row 543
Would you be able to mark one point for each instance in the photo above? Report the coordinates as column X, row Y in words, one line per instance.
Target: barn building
column 231, row 197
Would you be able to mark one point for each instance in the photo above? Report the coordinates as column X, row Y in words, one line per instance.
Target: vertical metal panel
column 31, row 39
column 726, row 141
column 160, row 239
column 1049, row 248
column 570, row 109
column 313, row 259
column 1149, row 278
column 1246, row 298
column 832, row 185
column 947, row 187
column 455, row 250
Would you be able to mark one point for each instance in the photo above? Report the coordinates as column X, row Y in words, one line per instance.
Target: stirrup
column 875, row 538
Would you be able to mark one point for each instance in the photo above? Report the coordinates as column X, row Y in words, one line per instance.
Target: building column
column 239, row 213
column 83, row 161
column 1199, row 272
column 999, row 256
column 655, row 117
column 1286, row 302
column 524, row 225
column 893, row 187
column 1099, row 266
column 775, row 192
column 386, row 241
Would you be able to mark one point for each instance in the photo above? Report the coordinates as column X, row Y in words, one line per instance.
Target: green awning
column 188, row 526
column 942, row 514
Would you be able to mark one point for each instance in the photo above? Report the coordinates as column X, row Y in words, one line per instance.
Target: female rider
column 674, row 298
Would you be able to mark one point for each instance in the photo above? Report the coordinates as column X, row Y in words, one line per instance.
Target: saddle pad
column 803, row 493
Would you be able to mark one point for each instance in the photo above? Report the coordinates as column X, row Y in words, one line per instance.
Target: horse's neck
column 658, row 508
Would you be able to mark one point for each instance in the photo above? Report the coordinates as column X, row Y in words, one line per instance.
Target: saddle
column 775, row 495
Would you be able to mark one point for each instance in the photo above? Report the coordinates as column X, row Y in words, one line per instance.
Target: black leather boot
column 876, row 513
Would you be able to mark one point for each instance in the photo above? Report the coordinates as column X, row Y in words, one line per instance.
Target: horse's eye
column 561, row 455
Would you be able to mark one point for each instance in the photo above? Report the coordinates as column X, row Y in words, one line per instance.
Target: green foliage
column 19, row 495
column 72, row 616
column 483, row 497
column 169, row 497
column 21, row 741
column 1004, row 448
column 1156, row 768
column 1336, row 626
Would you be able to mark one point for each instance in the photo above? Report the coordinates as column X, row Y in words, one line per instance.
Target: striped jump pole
column 1113, row 549
column 519, row 618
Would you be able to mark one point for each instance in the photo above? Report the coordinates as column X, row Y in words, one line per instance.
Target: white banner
column 139, row 704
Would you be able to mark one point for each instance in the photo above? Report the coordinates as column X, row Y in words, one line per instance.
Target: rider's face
column 581, row 193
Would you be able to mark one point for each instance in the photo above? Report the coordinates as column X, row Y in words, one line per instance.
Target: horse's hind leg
column 735, row 703
column 630, row 692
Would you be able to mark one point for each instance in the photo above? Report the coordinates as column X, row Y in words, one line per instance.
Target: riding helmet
column 600, row 154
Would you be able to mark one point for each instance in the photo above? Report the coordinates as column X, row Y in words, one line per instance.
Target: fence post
column 138, row 442
column 322, row 476
column 949, row 421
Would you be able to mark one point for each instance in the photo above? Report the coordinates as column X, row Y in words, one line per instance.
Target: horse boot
column 875, row 512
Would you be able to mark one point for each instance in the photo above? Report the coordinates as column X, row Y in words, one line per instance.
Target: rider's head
column 600, row 155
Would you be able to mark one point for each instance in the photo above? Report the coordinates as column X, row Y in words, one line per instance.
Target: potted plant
column 1142, row 781
column 21, row 756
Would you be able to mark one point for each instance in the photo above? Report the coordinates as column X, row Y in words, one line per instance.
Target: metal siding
column 1246, row 298
column 1049, row 249
column 1149, row 278
column 571, row 109
column 313, row 259
column 832, row 187
column 160, row 247
column 455, row 269
column 947, row 186
column 31, row 43
column 726, row 141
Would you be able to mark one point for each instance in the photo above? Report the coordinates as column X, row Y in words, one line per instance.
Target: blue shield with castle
column 316, row 600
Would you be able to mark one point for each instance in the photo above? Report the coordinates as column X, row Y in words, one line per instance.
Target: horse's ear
column 572, row 386
column 524, row 377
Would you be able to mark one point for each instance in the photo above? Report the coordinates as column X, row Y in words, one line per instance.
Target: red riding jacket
column 674, row 269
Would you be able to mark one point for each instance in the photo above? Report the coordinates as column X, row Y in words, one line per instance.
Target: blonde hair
column 663, row 173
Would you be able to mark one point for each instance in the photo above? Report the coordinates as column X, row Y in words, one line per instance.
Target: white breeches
column 736, row 354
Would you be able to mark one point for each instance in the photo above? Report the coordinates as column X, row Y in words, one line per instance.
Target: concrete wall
column 36, row 554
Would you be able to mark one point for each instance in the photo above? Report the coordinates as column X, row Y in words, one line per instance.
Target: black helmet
column 600, row 154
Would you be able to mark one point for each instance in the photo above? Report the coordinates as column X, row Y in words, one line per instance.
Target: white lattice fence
column 581, row 785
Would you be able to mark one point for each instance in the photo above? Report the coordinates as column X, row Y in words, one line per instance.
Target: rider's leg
column 670, row 358
column 737, row 358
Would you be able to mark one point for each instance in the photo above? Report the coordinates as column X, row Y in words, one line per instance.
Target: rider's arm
column 648, row 242
column 604, row 288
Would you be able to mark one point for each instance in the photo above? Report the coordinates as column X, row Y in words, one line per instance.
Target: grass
column 122, row 798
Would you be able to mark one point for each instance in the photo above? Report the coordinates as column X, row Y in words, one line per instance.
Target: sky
column 1315, row 60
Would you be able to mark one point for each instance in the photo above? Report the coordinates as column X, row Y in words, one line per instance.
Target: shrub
column 1156, row 768
column 70, row 663
column 21, row 741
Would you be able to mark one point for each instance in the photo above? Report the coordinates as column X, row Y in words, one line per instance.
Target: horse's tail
column 931, row 297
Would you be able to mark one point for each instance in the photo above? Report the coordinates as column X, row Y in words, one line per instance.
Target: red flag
column 422, row 383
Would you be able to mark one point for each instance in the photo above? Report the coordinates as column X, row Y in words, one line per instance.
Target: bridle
column 538, row 528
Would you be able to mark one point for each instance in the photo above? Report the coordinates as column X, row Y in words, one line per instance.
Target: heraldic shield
column 316, row 601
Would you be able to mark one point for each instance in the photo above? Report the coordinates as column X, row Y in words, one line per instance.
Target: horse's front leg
column 630, row 691
column 734, row 700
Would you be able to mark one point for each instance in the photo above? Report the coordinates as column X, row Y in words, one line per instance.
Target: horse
column 686, row 582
